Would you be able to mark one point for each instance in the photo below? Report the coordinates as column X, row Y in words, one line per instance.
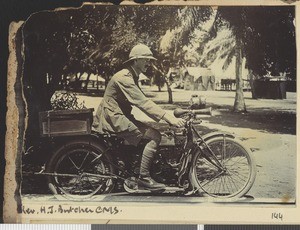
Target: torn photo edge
column 128, row 212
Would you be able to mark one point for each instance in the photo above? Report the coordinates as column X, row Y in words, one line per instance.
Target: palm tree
column 270, row 31
column 239, row 102
column 174, row 40
column 226, row 46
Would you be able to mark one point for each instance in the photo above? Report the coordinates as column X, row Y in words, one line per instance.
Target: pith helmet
column 140, row 51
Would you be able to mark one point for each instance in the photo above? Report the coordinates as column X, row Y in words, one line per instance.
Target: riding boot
column 145, row 181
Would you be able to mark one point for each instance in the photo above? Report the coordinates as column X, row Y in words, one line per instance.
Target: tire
column 239, row 174
column 75, row 158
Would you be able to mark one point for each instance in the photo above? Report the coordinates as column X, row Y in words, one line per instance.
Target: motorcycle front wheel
column 238, row 171
column 79, row 169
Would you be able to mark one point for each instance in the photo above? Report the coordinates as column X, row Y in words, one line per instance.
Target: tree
column 98, row 40
column 90, row 40
column 254, row 41
column 45, row 56
column 158, row 28
column 237, row 22
column 131, row 26
column 174, row 40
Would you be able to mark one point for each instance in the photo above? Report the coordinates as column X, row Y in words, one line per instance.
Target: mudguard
column 81, row 139
column 208, row 136
column 44, row 150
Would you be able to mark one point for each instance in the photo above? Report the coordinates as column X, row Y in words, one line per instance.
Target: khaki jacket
column 114, row 112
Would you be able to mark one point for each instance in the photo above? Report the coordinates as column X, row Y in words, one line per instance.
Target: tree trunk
column 167, row 80
column 251, row 76
column 55, row 79
column 97, row 83
column 77, row 84
column 170, row 94
column 106, row 80
column 159, row 82
column 239, row 103
column 159, row 87
column 87, row 82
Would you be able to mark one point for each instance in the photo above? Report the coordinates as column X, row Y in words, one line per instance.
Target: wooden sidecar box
column 65, row 122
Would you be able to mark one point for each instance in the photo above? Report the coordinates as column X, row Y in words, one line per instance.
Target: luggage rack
column 55, row 123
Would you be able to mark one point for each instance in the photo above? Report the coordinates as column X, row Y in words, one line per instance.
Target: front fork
column 207, row 153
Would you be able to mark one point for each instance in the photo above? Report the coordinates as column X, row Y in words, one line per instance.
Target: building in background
column 197, row 78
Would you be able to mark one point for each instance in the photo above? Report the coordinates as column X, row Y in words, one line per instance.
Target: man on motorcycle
column 114, row 112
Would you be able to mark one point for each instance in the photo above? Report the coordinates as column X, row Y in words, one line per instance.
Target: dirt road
column 269, row 129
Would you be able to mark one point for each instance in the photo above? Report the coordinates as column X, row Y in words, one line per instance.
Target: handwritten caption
column 277, row 216
column 68, row 209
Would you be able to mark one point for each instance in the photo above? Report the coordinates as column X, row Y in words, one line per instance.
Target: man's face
column 142, row 64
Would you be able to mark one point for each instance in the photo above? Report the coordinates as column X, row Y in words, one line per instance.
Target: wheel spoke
column 213, row 178
column 237, row 163
column 233, row 183
column 220, row 182
column 223, row 182
column 77, row 178
column 227, row 185
column 230, row 157
column 239, row 170
column 237, row 175
column 224, row 150
column 73, row 163
column 88, row 153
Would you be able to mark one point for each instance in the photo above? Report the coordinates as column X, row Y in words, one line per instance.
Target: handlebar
column 180, row 112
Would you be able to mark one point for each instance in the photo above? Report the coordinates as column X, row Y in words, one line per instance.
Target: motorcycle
column 216, row 164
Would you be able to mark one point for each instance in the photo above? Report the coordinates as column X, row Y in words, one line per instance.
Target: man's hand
column 178, row 122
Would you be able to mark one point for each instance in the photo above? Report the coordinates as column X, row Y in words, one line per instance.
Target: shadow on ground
column 268, row 120
column 265, row 119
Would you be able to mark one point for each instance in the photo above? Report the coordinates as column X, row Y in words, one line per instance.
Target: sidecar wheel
column 79, row 166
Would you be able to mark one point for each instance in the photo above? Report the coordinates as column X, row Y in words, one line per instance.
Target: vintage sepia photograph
column 156, row 106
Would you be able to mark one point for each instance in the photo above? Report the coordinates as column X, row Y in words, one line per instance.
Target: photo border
column 210, row 213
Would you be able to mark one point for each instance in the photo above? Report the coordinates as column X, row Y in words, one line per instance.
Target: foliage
column 98, row 39
column 64, row 100
column 268, row 46
column 174, row 40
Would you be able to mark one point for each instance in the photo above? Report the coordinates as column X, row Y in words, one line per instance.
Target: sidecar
column 66, row 145
column 55, row 128
column 60, row 123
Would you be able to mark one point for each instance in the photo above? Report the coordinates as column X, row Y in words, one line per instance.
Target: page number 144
column 277, row 216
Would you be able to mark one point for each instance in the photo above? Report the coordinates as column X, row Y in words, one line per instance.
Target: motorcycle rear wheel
column 78, row 166
column 239, row 169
